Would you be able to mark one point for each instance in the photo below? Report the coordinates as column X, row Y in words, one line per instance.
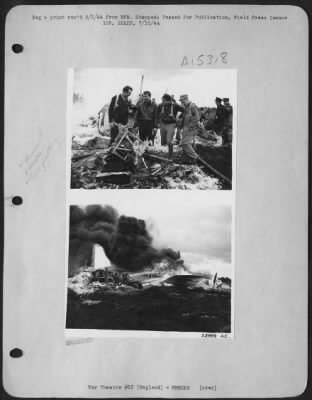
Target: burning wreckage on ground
column 111, row 253
column 131, row 163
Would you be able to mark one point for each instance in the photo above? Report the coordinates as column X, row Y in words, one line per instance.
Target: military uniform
column 219, row 119
column 146, row 119
column 227, row 121
column 190, row 128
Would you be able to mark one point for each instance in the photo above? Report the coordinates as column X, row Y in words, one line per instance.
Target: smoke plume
column 125, row 240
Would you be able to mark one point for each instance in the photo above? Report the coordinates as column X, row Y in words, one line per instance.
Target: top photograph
column 151, row 128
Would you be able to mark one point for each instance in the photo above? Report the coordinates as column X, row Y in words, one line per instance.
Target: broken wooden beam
column 121, row 178
column 79, row 156
column 90, row 153
column 157, row 157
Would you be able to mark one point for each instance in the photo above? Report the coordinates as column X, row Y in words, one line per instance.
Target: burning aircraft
column 118, row 250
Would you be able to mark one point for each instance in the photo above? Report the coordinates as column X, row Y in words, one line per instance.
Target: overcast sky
column 197, row 223
column 99, row 85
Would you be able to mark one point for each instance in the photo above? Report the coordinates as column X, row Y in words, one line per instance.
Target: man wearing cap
column 218, row 124
column 173, row 99
column 166, row 120
column 146, row 117
column 228, row 120
column 190, row 120
column 118, row 113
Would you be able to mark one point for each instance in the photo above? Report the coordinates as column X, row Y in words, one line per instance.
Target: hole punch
column 16, row 353
column 17, row 48
column 17, row 200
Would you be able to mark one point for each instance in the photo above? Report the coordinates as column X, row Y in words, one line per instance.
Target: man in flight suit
column 146, row 117
column 118, row 113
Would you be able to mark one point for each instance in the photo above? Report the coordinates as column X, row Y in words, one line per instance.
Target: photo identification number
column 205, row 59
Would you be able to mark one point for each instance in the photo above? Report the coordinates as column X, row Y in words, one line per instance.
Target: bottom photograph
column 150, row 267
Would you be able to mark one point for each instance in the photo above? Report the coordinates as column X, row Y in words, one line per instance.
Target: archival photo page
column 151, row 261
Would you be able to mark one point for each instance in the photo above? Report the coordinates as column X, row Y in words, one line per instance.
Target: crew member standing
column 190, row 120
column 146, row 117
column 166, row 120
column 218, row 124
column 228, row 121
column 118, row 113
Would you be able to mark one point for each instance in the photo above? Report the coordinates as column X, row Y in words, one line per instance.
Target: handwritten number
column 210, row 57
column 224, row 57
column 200, row 60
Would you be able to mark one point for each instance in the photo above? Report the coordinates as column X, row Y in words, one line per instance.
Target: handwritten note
column 37, row 160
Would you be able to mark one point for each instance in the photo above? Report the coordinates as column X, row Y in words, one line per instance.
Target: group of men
column 222, row 123
column 174, row 120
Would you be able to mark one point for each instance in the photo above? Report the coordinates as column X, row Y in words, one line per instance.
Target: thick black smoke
column 125, row 240
column 93, row 224
column 131, row 245
column 92, row 214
